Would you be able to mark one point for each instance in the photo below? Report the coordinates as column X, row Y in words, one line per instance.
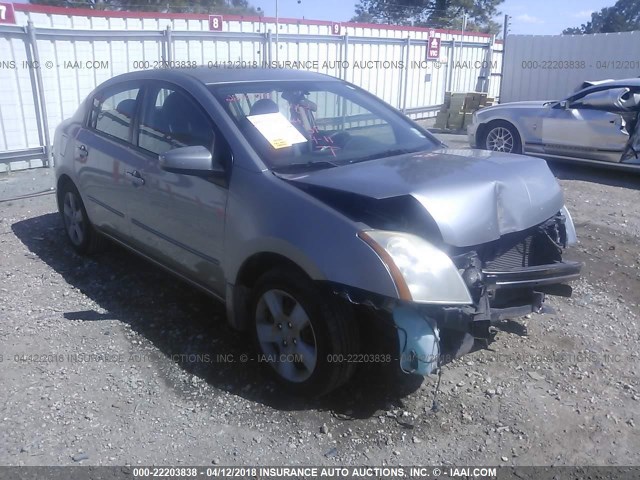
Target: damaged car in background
column 598, row 125
column 313, row 210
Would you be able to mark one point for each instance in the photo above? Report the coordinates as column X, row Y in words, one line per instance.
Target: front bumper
column 506, row 294
column 472, row 129
column 531, row 277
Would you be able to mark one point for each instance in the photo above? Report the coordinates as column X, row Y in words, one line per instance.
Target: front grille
column 517, row 256
column 539, row 245
column 526, row 249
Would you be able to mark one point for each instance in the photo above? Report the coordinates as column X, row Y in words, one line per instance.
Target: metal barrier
column 53, row 87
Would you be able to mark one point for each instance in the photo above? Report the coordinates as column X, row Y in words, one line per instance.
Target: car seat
column 263, row 106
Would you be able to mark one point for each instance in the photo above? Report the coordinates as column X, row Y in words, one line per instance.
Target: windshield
column 306, row 125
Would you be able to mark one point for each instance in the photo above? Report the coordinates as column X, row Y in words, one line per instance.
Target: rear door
column 104, row 152
column 179, row 219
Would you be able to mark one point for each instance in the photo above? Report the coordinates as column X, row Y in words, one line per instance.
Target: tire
column 78, row 229
column 501, row 136
column 292, row 317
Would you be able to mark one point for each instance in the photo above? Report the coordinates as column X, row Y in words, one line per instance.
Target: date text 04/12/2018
column 317, row 472
column 580, row 64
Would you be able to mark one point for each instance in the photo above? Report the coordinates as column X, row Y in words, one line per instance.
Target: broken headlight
column 569, row 226
column 422, row 273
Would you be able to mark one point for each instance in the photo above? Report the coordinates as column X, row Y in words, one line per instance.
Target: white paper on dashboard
column 278, row 131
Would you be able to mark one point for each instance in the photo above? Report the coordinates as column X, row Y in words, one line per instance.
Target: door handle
column 83, row 151
column 135, row 178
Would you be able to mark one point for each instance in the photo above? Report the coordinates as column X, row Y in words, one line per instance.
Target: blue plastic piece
column 419, row 339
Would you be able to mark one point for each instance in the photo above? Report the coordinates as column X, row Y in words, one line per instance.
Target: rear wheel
column 80, row 233
column 502, row 137
column 303, row 335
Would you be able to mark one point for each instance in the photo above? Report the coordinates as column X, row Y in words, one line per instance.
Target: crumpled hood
column 474, row 196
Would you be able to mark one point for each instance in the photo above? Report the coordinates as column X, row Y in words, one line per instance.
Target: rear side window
column 172, row 119
column 112, row 113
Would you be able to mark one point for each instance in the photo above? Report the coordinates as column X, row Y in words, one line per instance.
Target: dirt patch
column 111, row 359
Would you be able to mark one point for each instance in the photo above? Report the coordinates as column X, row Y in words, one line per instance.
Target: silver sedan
column 317, row 213
column 598, row 124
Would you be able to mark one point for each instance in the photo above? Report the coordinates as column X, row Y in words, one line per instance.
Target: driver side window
column 611, row 99
column 584, row 101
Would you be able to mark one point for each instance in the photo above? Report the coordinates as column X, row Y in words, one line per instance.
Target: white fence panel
column 119, row 42
column 18, row 118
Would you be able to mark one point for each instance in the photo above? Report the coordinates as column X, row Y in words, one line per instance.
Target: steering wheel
column 340, row 139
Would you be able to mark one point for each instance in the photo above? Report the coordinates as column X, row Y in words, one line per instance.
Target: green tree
column 624, row 16
column 431, row 13
column 240, row 7
column 92, row 4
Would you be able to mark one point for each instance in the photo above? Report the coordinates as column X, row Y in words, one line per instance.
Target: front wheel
column 502, row 137
column 303, row 334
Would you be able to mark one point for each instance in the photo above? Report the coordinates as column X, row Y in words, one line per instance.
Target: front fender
column 267, row 214
column 527, row 124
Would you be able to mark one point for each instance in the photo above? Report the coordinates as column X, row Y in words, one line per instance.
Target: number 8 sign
column 215, row 23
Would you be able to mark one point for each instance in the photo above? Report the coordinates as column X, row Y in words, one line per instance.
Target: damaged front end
column 436, row 321
column 509, row 278
column 468, row 238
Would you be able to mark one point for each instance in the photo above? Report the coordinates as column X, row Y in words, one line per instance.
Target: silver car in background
column 313, row 210
column 598, row 124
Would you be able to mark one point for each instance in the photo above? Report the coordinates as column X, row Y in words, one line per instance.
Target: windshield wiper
column 386, row 153
column 302, row 166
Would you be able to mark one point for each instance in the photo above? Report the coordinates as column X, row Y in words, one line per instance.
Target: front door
column 588, row 133
column 179, row 219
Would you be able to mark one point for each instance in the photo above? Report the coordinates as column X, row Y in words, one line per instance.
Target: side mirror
column 196, row 160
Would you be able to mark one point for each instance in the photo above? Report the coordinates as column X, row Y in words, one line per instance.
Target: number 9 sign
column 215, row 23
column 335, row 28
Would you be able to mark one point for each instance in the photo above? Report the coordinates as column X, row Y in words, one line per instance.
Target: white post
column 277, row 29
column 464, row 24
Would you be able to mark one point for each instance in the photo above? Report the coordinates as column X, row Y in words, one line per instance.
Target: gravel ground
column 109, row 361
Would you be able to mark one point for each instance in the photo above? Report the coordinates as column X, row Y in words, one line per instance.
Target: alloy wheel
column 500, row 139
column 74, row 221
column 286, row 336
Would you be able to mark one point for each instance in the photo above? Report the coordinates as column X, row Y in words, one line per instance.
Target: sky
column 537, row 17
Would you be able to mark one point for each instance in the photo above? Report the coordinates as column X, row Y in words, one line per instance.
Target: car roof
column 220, row 75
